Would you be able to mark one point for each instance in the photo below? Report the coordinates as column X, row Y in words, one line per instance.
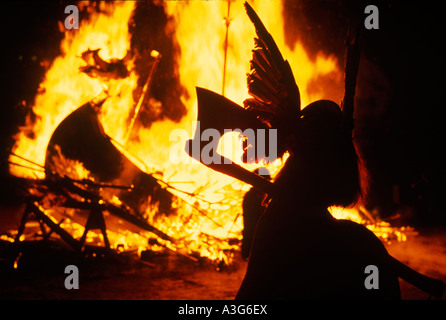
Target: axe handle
column 238, row 172
column 234, row 170
column 432, row 286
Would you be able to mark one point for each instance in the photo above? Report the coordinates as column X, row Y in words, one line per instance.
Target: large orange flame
column 65, row 88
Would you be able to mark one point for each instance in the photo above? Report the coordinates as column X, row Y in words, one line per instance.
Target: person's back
column 314, row 256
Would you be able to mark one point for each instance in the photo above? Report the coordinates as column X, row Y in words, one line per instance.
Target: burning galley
column 92, row 157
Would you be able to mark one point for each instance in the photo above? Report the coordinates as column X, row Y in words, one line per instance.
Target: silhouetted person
column 252, row 210
column 299, row 250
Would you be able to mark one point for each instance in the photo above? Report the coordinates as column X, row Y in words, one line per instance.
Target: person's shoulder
column 358, row 232
column 354, row 227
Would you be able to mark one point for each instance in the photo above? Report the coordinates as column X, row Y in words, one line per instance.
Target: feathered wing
column 275, row 95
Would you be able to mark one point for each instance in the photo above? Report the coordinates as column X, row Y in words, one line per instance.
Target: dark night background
column 400, row 111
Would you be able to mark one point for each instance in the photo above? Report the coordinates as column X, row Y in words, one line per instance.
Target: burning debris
column 97, row 67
